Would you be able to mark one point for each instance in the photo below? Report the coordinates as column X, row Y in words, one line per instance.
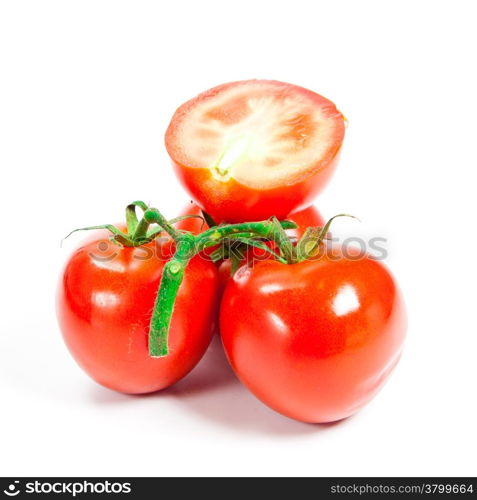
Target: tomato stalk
column 309, row 244
column 138, row 232
column 172, row 276
column 187, row 246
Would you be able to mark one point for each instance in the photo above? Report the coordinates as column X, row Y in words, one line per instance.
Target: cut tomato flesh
column 261, row 133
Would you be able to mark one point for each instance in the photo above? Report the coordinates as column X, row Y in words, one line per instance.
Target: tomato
column 317, row 339
column 195, row 225
column 105, row 300
column 252, row 149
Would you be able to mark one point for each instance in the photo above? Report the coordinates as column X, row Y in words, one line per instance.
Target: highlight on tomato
column 253, row 149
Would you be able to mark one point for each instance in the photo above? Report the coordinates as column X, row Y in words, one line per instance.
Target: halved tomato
column 252, row 149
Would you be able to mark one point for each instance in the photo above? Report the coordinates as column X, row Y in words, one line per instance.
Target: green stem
column 171, row 280
column 153, row 215
column 172, row 276
column 140, row 232
column 282, row 240
column 189, row 245
column 118, row 235
column 131, row 217
column 264, row 229
column 313, row 237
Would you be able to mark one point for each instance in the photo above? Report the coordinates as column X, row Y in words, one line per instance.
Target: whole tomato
column 314, row 340
column 251, row 149
column 105, row 300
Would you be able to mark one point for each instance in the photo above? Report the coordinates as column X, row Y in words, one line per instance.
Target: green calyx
column 138, row 231
column 309, row 244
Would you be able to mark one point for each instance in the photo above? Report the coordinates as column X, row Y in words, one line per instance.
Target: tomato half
column 252, row 149
column 105, row 300
column 314, row 340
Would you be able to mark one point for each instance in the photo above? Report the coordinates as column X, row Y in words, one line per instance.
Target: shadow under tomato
column 211, row 374
column 213, row 393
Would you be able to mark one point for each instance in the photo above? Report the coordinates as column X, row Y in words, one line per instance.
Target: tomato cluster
column 311, row 330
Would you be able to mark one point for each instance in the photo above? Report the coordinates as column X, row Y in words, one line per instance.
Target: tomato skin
column 315, row 340
column 195, row 225
column 236, row 202
column 104, row 308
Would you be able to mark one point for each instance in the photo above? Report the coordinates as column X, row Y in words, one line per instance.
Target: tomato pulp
column 252, row 149
column 105, row 300
column 314, row 340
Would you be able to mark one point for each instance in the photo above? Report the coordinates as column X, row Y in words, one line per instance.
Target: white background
column 86, row 92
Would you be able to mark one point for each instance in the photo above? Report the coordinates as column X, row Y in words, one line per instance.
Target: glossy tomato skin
column 104, row 307
column 315, row 340
column 195, row 225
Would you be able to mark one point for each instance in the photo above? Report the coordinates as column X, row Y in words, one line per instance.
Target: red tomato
column 252, row 149
column 195, row 225
column 105, row 301
column 314, row 340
